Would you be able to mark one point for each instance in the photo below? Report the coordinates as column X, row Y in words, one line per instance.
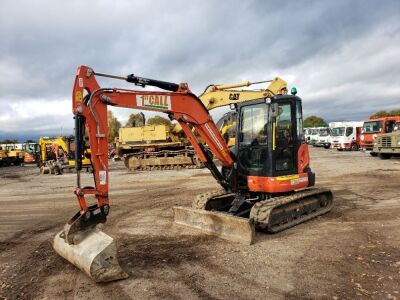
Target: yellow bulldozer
column 155, row 147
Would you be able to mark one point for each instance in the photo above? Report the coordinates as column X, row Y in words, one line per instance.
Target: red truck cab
column 373, row 127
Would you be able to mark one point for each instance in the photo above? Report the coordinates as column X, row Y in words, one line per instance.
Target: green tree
column 314, row 121
column 10, row 141
column 136, row 120
column 384, row 113
column 113, row 126
column 380, row 114
column 157, row 120
column 395, row 112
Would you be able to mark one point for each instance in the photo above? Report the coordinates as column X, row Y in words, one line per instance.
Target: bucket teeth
column 95, row 254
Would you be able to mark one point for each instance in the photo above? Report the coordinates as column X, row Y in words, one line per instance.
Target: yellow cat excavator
column 266, row 180
column 57, row 156
column 219, row 95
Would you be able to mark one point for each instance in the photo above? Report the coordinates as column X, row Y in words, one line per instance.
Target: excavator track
column 162, row 160
column 274, row 214
column 280, row 213
column 209, row 213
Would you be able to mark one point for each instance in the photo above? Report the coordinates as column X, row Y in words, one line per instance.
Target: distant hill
column 24, row 136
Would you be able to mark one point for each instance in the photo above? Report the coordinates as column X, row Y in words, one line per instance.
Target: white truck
column 307, row 134
column 314, row 134
column 323, row 138
column 346, row 135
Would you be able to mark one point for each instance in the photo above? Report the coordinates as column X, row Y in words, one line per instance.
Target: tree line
column 316, row 121
column 384, row 113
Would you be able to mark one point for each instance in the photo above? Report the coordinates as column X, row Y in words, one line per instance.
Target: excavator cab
column 269, row 135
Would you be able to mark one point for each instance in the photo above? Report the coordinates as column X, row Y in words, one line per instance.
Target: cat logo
column 234, row 96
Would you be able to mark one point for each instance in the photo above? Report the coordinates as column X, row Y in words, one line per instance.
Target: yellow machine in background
column 57, row 155
column 216, row 96
column 152, row 147
column 4, row 159
column 227, row 126
column 12, row 154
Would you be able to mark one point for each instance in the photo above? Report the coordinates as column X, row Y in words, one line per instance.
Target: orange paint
column 273, row 185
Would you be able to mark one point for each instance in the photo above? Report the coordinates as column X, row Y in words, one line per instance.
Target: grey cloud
column 327, row 48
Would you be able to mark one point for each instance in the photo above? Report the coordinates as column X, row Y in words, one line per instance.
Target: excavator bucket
column 216, row 223
column 94, row 252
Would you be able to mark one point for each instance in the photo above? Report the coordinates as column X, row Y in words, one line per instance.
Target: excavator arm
column 80, row 242
column 218, row 95
column 90, row 103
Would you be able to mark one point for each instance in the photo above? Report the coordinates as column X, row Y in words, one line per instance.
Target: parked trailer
column 372, row 128
column 346, row 135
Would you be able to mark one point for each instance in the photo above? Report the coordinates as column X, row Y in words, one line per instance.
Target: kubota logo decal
column 298, row 180
column 154, row 101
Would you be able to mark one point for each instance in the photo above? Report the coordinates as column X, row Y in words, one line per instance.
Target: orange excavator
column 265, row 177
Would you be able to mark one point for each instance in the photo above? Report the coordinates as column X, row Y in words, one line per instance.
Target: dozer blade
column 95, row 254
column 215, row 223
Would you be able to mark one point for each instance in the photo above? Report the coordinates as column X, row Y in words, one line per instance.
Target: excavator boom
column 218, row 95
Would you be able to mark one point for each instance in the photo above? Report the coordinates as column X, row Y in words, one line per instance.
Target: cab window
column 349, row 131
column 284, row 147
column 254, row 123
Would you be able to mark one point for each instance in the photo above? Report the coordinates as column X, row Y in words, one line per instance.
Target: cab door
column 284, row 139
column 252, row 146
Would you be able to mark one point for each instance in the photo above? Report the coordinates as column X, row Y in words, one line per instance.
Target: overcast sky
column 343, row 56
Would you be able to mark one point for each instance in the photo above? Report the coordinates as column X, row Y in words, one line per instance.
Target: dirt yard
column 351, row 252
